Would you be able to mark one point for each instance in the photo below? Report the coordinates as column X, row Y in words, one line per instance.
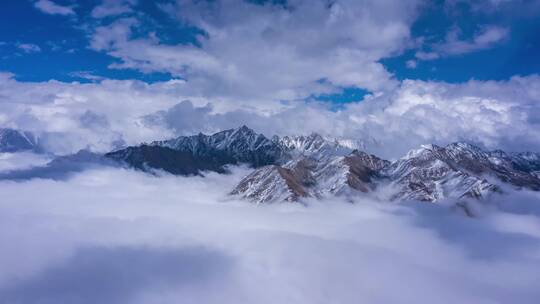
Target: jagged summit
column 240, row 145
column 430, row 173
column 292, row 167
column 317, row 146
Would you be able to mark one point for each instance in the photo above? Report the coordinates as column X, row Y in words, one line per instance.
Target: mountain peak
column 315, row 136
column 244, row 128
column 12, row 140
column 244, row 131
column 463, row 146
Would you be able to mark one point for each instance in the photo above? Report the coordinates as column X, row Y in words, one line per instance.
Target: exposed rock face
column 229, row 147
column 290, row 168
column 16, row 141
column 422, row 175
column 149, row 158
column 525, row 161
column 241, row 145
column 316, row 146
column 455, row 171
column 311, row 177
column 295, row 167
column 272, row 183
column 431, row 173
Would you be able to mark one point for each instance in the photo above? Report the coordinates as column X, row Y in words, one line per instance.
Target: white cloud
column 22, row 160
column 113, row 8
column 29, row 48
column 178, row 242
column 72, row 116
column 485, row 38
column 271, row 51
column 490, row 114
column 411, row 64
column 88, row 75
column 49, row 7
column 427, row 55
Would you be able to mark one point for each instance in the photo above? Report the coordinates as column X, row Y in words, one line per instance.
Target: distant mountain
column 234, row 146
column 312, row 177
column 61, row 167
column 290, row 168
column 316, row 146
column 431, row 173
column 187, row 155
column 458, row 170
column 149, row 158
column 15, row 141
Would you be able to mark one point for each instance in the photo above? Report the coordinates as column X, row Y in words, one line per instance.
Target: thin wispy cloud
column 112, row 8
column 52, row 8
column 29, row 48
column 485, row 38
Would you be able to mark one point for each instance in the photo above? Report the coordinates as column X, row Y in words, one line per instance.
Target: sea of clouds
column 111, row 235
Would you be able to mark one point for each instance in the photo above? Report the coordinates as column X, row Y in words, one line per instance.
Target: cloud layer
column 147, row 239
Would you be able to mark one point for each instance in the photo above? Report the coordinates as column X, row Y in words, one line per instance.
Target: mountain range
column 292, row 168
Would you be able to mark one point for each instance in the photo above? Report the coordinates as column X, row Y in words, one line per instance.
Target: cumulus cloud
column 144, row 239
column 52, row 8
column 270, row 51
column 100, row 116
column 73, row 116
column 490, row 114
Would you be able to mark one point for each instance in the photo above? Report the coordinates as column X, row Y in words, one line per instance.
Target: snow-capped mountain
column 427, row 174
column 150, row 158
column 240, row 145
column 191, row 155
column 317, row 146
column 188, row 155
column 293, row 167
column 313, row 177
column 15, row 141
column 431, row 173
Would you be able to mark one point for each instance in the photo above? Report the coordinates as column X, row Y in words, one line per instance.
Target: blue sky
column 58, row 46
column 517, row 54
column 394, row 73
column 63, row 43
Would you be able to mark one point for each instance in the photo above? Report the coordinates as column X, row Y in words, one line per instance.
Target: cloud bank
column 107, row 114
column 111, row 235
